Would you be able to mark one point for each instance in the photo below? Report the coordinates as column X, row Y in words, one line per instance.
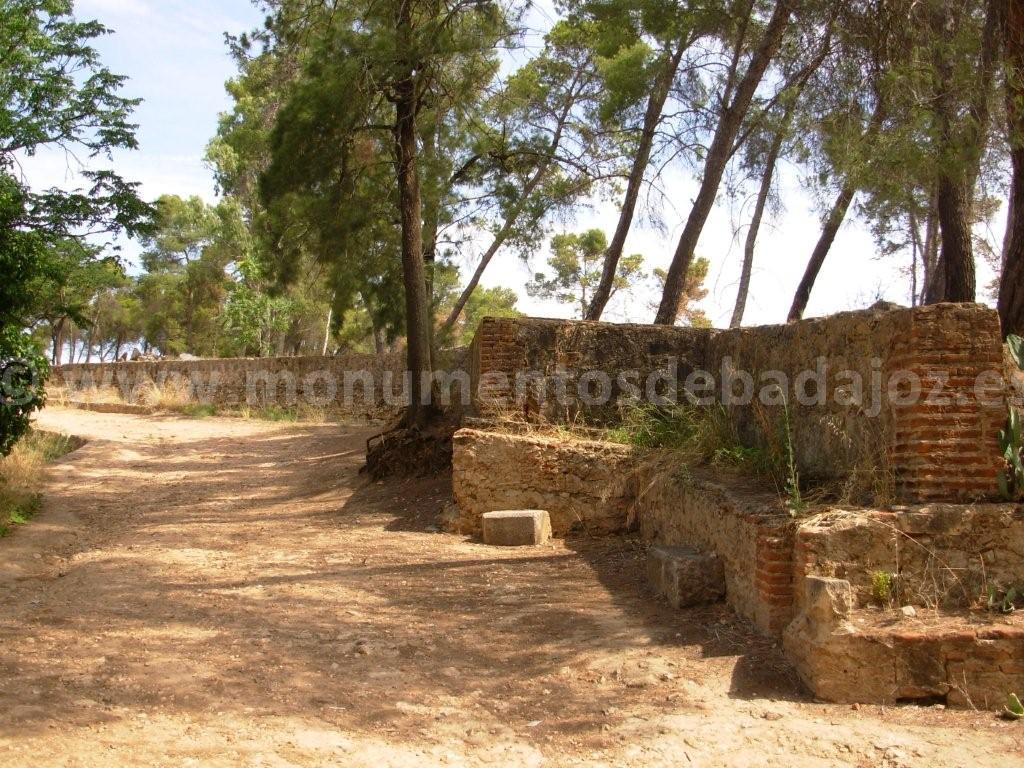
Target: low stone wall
column 931, row 637
column 918, row 394
column 749, row 531
column 585, row 486
column 359, row 384
column 943, row 555
column 846, row 655
column 600, row 488
column 808, row 582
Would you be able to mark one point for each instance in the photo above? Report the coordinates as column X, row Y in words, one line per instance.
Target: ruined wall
column 585, row 486
column 750, row 532
column 942, row 555
column 922, row 373
column 918, row 394
column 564, row 352
column 360, row 384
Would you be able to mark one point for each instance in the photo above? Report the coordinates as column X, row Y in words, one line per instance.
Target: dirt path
column 231, row 593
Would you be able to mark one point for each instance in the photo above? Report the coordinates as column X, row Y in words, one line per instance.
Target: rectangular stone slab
column 517, row 528
column 685, row 577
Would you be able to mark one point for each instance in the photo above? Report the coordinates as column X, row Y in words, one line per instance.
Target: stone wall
column 585, row 486
column 942, row 555
column 845, row 655
column 564, row 352
column 932, row 638
column 917, row 394
column 359, row 384
column 597, row 488
column 749, row 530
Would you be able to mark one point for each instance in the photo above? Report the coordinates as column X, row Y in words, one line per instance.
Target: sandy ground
column 227, row 593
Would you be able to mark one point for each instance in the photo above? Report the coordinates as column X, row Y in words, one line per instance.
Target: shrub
column 23, row 373
column 882, row 587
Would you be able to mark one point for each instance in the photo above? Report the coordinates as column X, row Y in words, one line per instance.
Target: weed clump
column 22, row 474
column 707, row 435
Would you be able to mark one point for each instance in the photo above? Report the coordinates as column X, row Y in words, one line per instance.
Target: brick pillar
column 497, row 355
column 774, row 577
column 945, row 445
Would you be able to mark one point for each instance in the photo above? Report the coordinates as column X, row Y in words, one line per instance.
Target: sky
column 174, row 55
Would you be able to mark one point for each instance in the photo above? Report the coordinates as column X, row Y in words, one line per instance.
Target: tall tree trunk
column 1011, row 289
column 755, row 220
column 431, row 213
column 652, row 118
column 89, row 340
column 934, row 274
column 58, row 342
column 832, row 224
column 417, row 308
column 327, row 329
column 957, row 247
column 828, row 235
column 718, row 157
column 915, row 256
column 1011, row 207
column 962, row 148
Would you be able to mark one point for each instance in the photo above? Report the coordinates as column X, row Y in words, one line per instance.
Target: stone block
column 685, row 577
column 517, row 528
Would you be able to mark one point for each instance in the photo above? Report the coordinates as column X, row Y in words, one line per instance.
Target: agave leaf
column 1014, row 709
column 1004, row 486
column 1016, row 345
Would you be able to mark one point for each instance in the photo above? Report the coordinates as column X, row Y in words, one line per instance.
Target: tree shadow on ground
column 264, row 577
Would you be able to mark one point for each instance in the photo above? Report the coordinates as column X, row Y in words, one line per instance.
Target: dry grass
column 511, row 421
column 170, row 395
column 23, row 473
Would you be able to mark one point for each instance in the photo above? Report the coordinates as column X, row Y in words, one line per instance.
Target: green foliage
column 1011, row 443
column 699, row 434
column 199, row 411
column 1003, row 601
column 1016, row 347
column 53, row 93
column 1013, row 710
column 17, row 513
column 21, row 475
column 576, row 262
column 23, row 373
column 792, row 477
column 693, row 292
column 883, row 587
column 273, row 413
column 482, row 302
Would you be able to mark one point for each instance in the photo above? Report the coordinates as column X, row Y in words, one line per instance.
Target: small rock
column 909, row 611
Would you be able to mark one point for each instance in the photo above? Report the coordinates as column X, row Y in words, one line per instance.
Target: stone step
column 685, row 577
column 517, row 528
